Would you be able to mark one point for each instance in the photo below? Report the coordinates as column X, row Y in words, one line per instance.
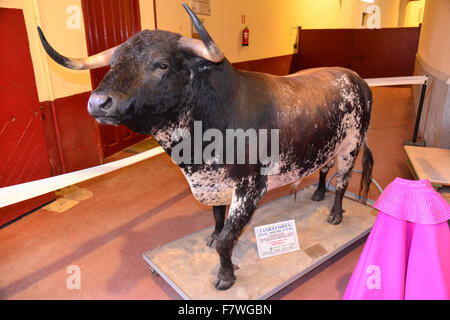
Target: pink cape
column 407, row 254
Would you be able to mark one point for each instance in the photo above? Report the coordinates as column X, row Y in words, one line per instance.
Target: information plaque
column 276, row 238
column 201, row 7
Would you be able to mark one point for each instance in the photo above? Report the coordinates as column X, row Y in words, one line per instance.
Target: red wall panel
column 23, row 150
column 281, row 65
column 79, row 136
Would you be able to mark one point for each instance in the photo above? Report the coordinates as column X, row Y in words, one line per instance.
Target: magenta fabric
column 414, row 201
column 407, row 254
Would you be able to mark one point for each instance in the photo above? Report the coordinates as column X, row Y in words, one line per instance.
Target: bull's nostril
column 107, row 104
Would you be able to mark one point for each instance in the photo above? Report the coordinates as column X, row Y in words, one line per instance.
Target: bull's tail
column 366, row 178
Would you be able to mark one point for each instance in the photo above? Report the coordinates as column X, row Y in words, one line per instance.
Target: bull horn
column 197, row 48
column 207, row 48
column 98, row 60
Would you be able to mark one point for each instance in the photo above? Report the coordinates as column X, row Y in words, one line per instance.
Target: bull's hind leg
column 345, row 162
column 244, row 202
column 219, row 218
column 319, row 194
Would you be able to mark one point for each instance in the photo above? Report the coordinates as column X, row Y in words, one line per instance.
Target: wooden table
column 430, row 163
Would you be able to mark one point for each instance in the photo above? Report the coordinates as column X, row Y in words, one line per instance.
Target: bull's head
column 148, row 74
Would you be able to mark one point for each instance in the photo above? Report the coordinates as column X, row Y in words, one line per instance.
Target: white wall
column 433, row 58
column 272, row 24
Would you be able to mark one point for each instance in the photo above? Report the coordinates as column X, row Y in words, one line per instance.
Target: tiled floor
column 148, row 204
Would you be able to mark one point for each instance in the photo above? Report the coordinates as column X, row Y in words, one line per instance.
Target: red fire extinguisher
column 245, row 37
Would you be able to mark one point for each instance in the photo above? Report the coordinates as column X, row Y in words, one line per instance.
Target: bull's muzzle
column 104, row 108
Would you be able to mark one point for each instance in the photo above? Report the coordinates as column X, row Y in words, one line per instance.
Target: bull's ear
column 214, row 54
column 197, row 48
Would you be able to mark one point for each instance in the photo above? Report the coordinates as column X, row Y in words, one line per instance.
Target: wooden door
column 372, row 53
column 324, row 48
column 107, row 24
column 386, row 52
column 23, row 150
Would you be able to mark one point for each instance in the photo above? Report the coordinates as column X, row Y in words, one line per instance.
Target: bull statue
column 161, row 82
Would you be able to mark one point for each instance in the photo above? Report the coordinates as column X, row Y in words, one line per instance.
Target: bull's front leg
column 244, row 202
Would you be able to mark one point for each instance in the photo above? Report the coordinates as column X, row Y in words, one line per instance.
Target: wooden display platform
column 190, row 266
column 430, row 163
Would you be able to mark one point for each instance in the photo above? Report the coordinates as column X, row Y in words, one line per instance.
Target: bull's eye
column 164, row 66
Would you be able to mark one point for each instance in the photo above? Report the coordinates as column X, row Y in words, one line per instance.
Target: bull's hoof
column 221, row 284
column 334, row 219
column 319, row 195
column 225, row 278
